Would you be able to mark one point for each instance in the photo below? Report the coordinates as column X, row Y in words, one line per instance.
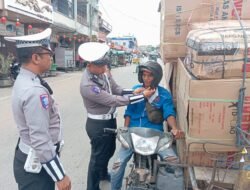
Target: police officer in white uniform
column 36, row 163
column 101, row 95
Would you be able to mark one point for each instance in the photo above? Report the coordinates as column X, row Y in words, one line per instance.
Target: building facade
column 73, row 22
column 104, row 29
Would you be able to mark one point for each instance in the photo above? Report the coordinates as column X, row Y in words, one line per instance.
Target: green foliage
column 5, row 64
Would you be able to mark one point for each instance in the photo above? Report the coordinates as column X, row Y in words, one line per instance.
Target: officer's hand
column 138, row 90
column 123, row 129
column 178, row 134
column 148, row 92
column 64, row 184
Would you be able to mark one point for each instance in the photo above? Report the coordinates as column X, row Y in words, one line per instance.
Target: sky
column 133, row 17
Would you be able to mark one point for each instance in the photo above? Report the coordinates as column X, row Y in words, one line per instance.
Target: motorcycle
column 14, row 70
column 146, row 144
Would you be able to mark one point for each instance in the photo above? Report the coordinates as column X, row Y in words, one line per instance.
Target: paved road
column 76, row 153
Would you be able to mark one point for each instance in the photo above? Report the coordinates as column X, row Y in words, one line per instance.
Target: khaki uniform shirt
column 101, row 94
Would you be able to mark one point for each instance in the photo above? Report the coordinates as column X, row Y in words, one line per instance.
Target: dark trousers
column 102, row 149
column 30, row 181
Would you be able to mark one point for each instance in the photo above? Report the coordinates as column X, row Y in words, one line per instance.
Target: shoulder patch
column 44, row 98
column 96, row 89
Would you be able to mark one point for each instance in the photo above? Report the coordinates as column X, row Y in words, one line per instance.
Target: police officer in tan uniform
column 101, row 95
column 36, row 163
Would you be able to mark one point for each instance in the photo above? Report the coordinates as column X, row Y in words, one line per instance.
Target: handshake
column 147, row 92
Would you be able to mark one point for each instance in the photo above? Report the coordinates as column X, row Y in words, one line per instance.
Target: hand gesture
column 64, row 184
column 178, row 134
column 148, row 92
column 138, row 90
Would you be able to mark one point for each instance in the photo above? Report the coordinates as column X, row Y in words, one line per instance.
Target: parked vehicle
column 153, row 56
column 14, row 70
column 136, row 60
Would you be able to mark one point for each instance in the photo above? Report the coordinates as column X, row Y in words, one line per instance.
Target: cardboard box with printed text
column 207, row 110
column 218, row 52
column 176, row 16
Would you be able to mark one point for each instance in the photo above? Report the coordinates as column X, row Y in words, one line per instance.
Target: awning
column 116, row 52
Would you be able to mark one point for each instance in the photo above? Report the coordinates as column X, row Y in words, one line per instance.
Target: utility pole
column 90, row 19
column 74, row 42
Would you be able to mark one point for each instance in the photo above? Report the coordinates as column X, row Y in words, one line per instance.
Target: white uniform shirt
column 36, row 115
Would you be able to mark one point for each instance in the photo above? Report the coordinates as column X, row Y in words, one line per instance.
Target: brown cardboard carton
column 218, row 52
column 176, row 16
column 174, row 20
column 207, row 110
column 173, row 83
column 174, row 50
column 218, row 24
column 169, row 74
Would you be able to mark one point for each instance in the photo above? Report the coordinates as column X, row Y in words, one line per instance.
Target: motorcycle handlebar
column 108, row 130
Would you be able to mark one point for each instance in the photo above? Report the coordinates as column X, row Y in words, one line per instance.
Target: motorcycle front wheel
column 139, row 188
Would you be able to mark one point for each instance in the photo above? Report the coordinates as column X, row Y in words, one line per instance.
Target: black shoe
column 106, row 177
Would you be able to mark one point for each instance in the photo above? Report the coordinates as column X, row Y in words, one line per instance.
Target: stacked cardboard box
column 219, row 24
column 207, row 109
column 218, row 52
column 207, row 112
column 176, row 17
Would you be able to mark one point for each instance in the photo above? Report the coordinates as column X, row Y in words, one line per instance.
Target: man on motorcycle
column 150, row 114
column 14, row 69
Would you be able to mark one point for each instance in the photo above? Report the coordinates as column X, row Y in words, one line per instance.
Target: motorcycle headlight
column 144, row 146
column 165, row 146
column 165, row 142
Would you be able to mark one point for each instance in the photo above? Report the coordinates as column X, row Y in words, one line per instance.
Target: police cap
column 41, row 39
column 94, row 52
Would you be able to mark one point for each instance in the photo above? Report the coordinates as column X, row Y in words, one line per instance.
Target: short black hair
column 24, row 54
column 105, row 60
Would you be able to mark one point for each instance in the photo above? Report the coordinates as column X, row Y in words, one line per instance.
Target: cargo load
column 219, row 24
column 176, row 17
column 218, row 52
column 207, row 110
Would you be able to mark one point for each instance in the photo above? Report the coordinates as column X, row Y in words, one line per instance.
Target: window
column 66, row 7
column 82, row 11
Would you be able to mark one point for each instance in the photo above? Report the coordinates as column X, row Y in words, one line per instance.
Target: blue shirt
column 138, row 115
